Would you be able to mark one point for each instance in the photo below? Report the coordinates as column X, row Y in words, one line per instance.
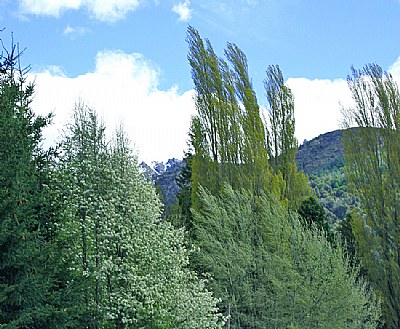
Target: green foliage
column 182, row 215
column 345, row 229
column 28, row 288
column 312, row 213
column 282, row 142
column 229, row 138
column 281, row 118
column 128, row 268
column 227, row 134
column 289, row 277
column 322, row 159
column 373, row 170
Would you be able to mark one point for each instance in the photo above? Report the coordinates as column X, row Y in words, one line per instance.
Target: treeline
column 83, row 243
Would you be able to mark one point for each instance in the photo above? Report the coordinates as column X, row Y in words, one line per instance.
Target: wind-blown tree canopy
column 283, row 143
column 372, row 155
column 228, row 136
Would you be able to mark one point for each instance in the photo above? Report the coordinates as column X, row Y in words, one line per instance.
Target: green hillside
column 322, row 159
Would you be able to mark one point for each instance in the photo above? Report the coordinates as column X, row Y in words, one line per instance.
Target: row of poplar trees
column 82, row 244
column 251, row 216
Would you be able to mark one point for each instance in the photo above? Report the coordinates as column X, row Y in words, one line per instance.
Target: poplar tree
column 227, row 134
column 254, row 148
column 282, row 141
column 215, row 131
column 373, row 168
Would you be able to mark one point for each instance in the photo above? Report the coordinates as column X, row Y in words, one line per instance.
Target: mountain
column 321, row 158
column 164, row 177
column 321, row 154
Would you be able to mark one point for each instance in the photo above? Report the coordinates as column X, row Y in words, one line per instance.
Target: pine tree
column 28, row 287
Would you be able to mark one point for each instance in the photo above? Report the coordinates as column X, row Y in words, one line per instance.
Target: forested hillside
column 322, row 159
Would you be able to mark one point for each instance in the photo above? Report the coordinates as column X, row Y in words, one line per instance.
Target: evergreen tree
column 345, row 229
column 312, row 213
column 28, row 287
column 182, row 215
column 373, row 163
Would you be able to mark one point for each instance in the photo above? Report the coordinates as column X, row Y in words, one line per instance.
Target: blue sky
column 127, row 58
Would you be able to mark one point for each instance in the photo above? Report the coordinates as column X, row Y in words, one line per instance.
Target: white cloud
column 75, row 32
column 122, row 89
column 104, row 10
column 183, row 11
column 318, row 105
column 111, row 10
column 48, row 7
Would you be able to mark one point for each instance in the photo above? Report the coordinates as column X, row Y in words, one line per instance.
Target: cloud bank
column 318, row 103
column 123, row 88
column 103, row 10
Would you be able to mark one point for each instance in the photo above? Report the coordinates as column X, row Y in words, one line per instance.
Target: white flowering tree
column 128, row 268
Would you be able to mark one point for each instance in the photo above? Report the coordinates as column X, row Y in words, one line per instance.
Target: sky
column 127, row 59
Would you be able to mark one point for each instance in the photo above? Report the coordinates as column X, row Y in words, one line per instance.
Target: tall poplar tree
column 282, row 140
column 373, row 168
column 227, row 134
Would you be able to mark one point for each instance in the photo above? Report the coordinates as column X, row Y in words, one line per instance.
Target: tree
column 128, row 267
column 270, row 272
column 215, row 132
column 373, row 168
column 227, row 134
column 345, row 228
column 313, row 214
column 254, row 150
column 283, row 143
column 29, row 290
column 181, row 215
